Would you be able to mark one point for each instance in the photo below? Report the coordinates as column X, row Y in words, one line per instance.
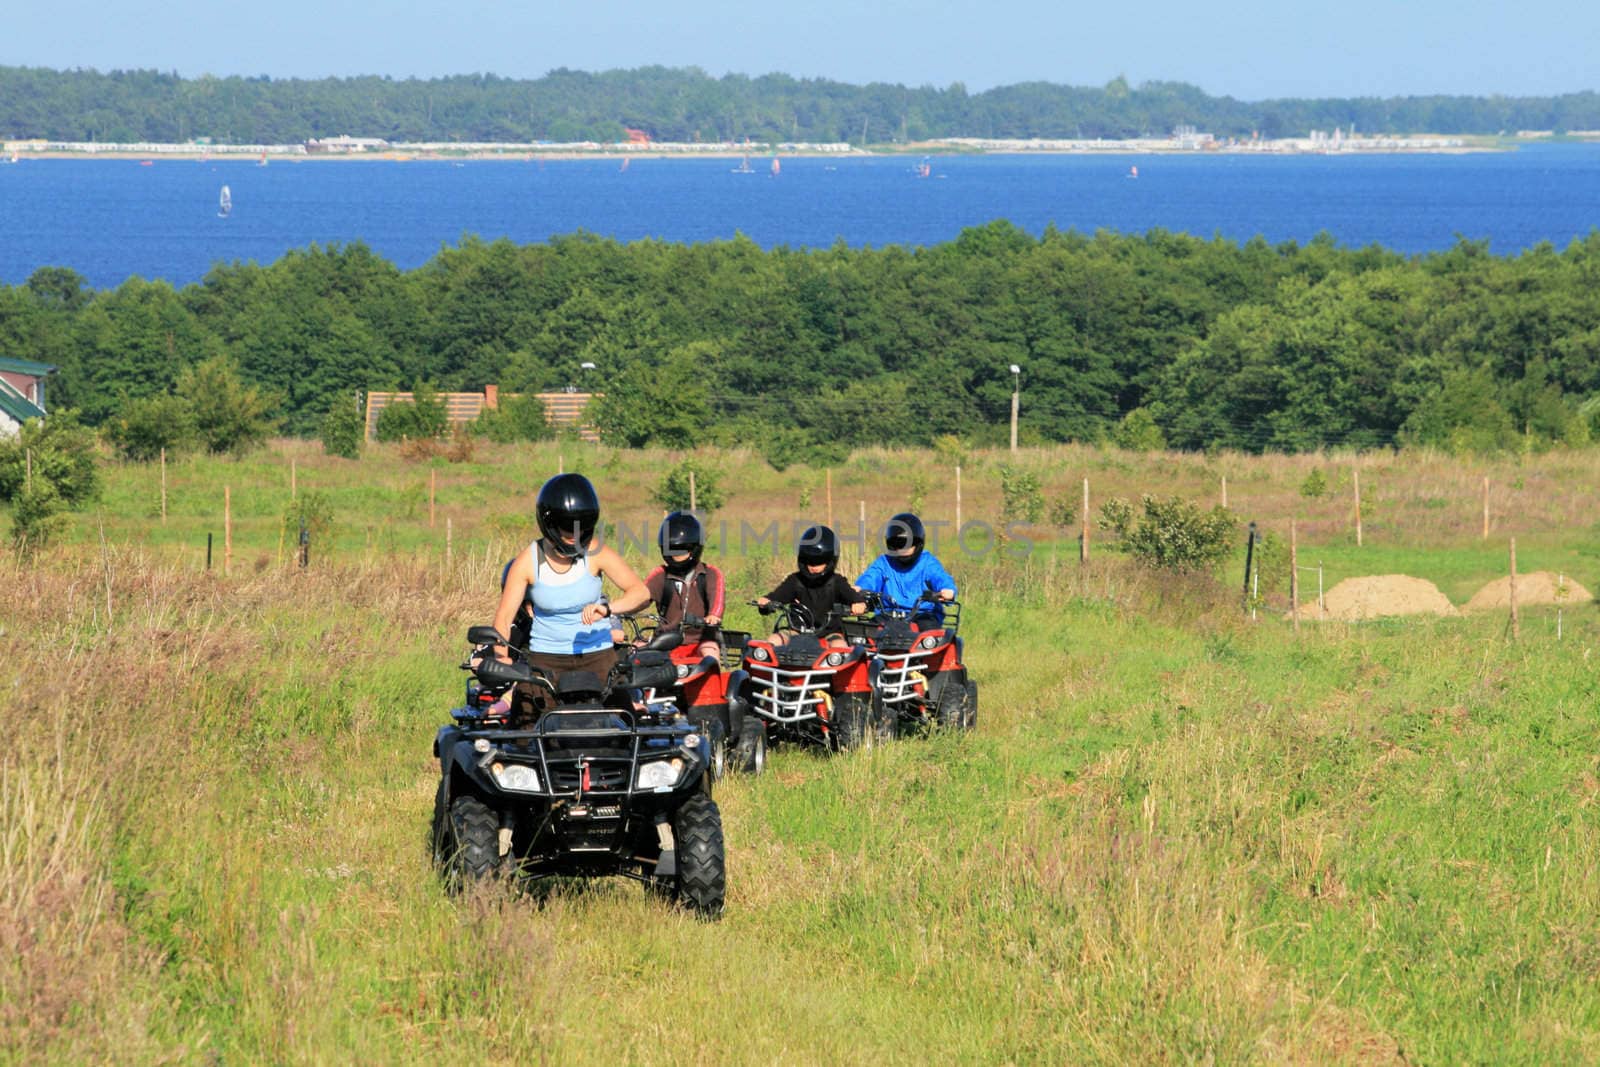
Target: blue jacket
column 902, row 588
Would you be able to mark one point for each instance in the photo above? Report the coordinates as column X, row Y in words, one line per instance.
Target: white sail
column 225, row 203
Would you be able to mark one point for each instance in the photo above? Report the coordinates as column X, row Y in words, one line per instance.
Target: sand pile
column 1380, row 595
column 1537, row 587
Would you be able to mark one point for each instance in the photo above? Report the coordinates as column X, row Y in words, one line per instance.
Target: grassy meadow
column 1177, row 834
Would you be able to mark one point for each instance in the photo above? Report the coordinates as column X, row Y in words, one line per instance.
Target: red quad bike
column 804, row 690
column 918, row 679
column 701, row 690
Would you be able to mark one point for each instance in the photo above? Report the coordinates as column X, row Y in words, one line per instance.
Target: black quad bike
column 598, row 783
column 918, row 678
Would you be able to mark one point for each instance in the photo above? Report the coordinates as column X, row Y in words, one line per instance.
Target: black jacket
column 819, row 600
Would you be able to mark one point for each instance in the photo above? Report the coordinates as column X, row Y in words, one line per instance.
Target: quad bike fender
column 738, row 700
column 855, row 676
column 709, row 688
column 458, row 765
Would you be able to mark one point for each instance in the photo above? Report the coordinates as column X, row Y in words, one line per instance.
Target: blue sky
column 1251, row 49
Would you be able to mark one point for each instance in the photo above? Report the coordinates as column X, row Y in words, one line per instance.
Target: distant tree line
column 1143, row 339
column 690, row 105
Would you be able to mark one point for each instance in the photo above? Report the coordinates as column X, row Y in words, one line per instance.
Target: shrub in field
column 47, row 469
column 1020, row 497
column 784, row 446
column 150, row 424
column 36, row 516
column 1176, row 534
column 672, row 492
column 1116, row 515
column 518, row 418
column 1064, row 510
column 343, row 430
column 421, row 417
column 950, row 450
column 1315, row 487
column 1138, row 432
column 229, row 415
column 313, row 509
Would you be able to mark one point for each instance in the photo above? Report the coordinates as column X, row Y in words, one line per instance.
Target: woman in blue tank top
column 560, row 575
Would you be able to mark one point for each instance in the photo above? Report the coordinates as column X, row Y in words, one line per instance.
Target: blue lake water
column 109, row 219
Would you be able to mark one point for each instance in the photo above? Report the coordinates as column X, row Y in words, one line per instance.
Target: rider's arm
column 656, row 583
column 518, row 578
column 715, row 591
column 871, row 580
column 787, row 590
column 845, row 593
column 634, row 595
column 940, row 578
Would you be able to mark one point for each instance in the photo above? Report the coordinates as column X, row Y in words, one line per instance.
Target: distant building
column 563, row 411
column 344, row 145
column 21, row 392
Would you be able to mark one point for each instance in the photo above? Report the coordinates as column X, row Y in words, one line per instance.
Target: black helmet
column 568, row 513
column 902, row 532
column 681, row 532
column 818, row 545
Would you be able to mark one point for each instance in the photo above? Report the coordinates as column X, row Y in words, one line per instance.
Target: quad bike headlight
column 515, row 777
column 661, row 775
column 683, row 670
column 929, row 641
column 758, row 654
column 835, row 658
column 692, row 741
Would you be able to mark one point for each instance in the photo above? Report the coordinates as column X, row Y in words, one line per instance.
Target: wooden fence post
column 1485, row 507
column 692, row 500
column 828, row 476
column 1083, row 539
column 1356, row 475
column 1224, row 490
column 163, row 487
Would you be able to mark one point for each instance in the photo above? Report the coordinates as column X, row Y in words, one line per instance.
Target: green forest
column 690, row 105
column 1144, row 340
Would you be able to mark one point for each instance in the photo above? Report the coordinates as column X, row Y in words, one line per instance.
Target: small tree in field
column 343, row 429
column 673, row 491
column 229, row 414
column 1175, row 534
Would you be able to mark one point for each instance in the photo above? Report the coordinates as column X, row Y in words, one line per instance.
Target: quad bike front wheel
column 467, row 843
column 702, row 859
column 958, row 705
column 750, row 751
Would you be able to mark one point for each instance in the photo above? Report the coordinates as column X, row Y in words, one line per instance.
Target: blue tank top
column 558, row 601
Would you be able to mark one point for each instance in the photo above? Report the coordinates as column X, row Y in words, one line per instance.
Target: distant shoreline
column 1318, row 144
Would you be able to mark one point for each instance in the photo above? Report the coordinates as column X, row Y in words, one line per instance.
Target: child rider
column 906, row 574
column 816, row 586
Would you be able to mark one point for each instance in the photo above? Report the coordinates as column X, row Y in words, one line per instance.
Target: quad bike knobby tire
column 702, row 859
column 468, row 843
column 958, row 705
column 716, row 735
column 852, row 721
column 750, row 751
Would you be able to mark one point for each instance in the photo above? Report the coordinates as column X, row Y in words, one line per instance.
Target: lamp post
column 1016, row 398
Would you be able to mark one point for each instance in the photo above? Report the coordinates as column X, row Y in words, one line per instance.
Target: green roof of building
column 25, row 366
column 14, row 404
